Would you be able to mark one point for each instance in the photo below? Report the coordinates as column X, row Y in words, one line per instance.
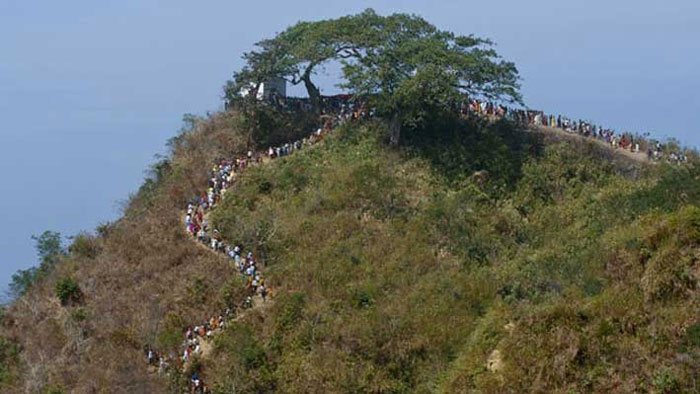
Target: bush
column 84, row 245
column 49, row 249
column 665, row 382
column 80, row 314
column 199, row 290
column 68, row 291
column 54, row 389
column 692, row 338
column 171, row 335
column 8, row 357
column 234, row 291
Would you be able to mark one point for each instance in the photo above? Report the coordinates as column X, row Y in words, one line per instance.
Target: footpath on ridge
column 639, row 157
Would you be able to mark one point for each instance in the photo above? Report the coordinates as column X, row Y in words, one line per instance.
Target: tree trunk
column 312, row 90
column 394, row 129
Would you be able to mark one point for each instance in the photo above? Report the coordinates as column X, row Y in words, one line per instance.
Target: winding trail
column 200, row 337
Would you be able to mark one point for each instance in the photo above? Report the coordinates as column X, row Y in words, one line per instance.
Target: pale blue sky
column 90, row 90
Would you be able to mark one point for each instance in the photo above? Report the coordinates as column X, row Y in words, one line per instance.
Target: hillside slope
column 478, row 258
column 566, row 276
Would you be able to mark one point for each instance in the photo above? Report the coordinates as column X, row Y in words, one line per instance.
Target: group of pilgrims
column 222, row 176
column 633, row 143
column 339, row 110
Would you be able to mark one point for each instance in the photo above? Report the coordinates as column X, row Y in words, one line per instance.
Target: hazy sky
column 90, row 90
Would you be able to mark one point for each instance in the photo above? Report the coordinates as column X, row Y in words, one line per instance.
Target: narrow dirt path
column 640, row 157
column 203, row 341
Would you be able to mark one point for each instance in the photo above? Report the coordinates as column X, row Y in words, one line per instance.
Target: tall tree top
column 405, row 65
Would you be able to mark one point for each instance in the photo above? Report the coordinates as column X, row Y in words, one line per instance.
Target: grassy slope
column 142, row 278
column 396, row 271
column 395, row 278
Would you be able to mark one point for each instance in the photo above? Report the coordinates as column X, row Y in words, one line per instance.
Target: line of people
column 631, row 142
column 624, row 141
column 222, row 176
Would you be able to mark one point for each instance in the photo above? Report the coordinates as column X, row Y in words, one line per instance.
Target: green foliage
column 84, row 245
column 412, row 71
column 195, row 366
column 234, row 291
column 297, row 52
column 292, row 308
column 266, row 125
column 103, row 229
column 691, row 340
column 405, row 64
column 68, row 291
column 49, row 250
column 49, row 247
column 404, row 270
column 198, row 290
column 407, row 267
column 249, row 368
column 54, row 389
column 665, row 382
column 80, row 314
column 155, row 176
column 170, row 336
column 457, row 149
column 9, row 356
column 22, row 280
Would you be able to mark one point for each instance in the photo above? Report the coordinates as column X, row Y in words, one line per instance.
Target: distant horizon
column 91, row 92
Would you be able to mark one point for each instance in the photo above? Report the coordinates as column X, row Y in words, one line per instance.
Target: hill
column 477, row 257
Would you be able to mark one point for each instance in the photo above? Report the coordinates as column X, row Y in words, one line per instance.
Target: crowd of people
column 633, row 143
column 330, row 105
column 222, row 176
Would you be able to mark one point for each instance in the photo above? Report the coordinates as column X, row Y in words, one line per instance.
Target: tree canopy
column 49, row 249
column 402, row 64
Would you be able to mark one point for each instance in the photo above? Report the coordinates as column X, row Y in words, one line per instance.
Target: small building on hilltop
column 276, row 86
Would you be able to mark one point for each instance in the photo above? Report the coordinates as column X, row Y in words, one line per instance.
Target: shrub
column 665, row 382
column 691, row 341
column 84, row 245
column 54, row 389
column 8, row 357
column 68, row 291
column 171, row 335
column 104, row 229
column 198, row 290
column 49, row 250
column 234, row 291
column 79, row 314
column 292, row 310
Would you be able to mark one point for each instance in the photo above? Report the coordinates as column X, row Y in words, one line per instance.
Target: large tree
column 296, row 53
column 405, row 66
column 412, row 69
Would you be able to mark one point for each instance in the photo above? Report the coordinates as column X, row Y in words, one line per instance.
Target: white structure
column 277, row 85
